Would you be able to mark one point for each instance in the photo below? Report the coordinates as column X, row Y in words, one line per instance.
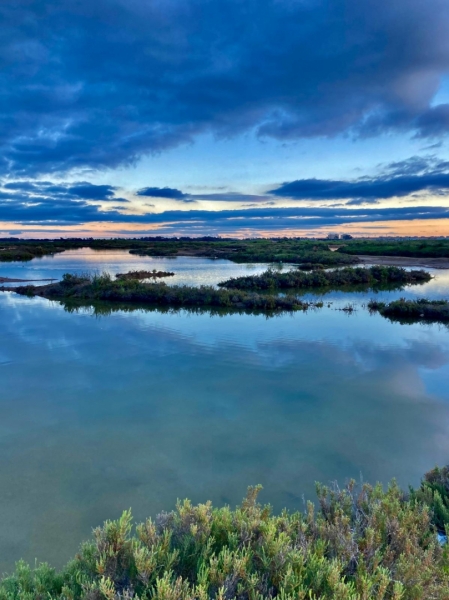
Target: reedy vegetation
column 372, row 276
column 424, row 248
column 291, row 250
column 422, row 309
column 358, row 544
column 104, row 288
column 26, row 252
column 240, row 251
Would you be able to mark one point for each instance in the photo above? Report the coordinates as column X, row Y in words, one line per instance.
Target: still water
column 137, row 409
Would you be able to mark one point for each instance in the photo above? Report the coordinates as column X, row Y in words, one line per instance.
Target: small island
column 338, row 278
column 105, row 288
column 420, row 310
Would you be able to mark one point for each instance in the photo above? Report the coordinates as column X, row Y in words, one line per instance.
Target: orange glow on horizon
column 422, row 228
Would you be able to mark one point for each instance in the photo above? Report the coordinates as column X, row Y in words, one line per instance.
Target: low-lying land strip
column 298, row 279
column 103, row 287
column 239, row 251
column 359, row 543
column 422, row 248
column 276, row 250
column 435, row 311
column 28, row 251
column 405, row 261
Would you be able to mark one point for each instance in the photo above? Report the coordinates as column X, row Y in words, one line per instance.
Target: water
column 188, row 271
column 137, row 409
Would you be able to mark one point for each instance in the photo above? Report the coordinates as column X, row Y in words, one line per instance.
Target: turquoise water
column 137, row 409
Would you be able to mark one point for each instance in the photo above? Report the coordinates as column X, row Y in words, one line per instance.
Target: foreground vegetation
column 104, row 288
column 435, row 311
column 298, row 279
column 357, row 544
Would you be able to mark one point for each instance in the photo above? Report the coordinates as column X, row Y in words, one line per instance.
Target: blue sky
column 201, row 117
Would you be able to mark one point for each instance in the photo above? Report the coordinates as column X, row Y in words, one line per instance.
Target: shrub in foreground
column 357, row 544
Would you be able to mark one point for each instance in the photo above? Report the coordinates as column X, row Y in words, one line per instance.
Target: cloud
column 174, row 194
column 231, row 197
column 166, row 192
column 42, row 191
column 402, row 179
column 79, row 212
column 161, row 73
column 92, row 192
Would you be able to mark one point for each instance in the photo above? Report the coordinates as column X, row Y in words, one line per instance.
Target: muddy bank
column 405, row 261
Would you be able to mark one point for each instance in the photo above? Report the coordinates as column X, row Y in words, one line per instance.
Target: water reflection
column 142, row 407
column 188, row 270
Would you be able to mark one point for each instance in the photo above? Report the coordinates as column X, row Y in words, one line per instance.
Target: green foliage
column 434, row 492
column 277, row 250
column 240, row 251
column 22, row 252
column 425, row 310
column 358, row 544
column 297, row 279
column 101, row 287
column 416, row 248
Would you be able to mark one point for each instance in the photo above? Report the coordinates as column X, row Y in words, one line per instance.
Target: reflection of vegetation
column 360, row 544
column 297, row 279
column 105, row 309
column 436, row 311
column 144, row 274
column 102, row 287
column 417, row 248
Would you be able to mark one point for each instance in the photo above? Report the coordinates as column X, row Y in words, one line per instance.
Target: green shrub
column 356, row 544
column 101, row 287
column 424, row 310
column 297, row 279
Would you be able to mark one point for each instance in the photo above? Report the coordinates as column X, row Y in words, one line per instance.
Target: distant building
column 346, row 236
column 333, row 236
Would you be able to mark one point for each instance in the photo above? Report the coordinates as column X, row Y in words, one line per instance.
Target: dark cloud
column 79, row 212
column 92, row 192
column 99, row 84
column 403, row 179
column 166, row 192
column 42, row 191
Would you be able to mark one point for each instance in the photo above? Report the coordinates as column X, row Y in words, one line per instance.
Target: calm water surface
column 140, row 408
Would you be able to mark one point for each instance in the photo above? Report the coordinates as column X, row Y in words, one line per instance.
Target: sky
column 239, row 118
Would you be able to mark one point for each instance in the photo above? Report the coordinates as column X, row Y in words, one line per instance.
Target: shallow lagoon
column 98, row 414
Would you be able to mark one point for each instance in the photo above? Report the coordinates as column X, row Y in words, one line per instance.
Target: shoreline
column 404, row 261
